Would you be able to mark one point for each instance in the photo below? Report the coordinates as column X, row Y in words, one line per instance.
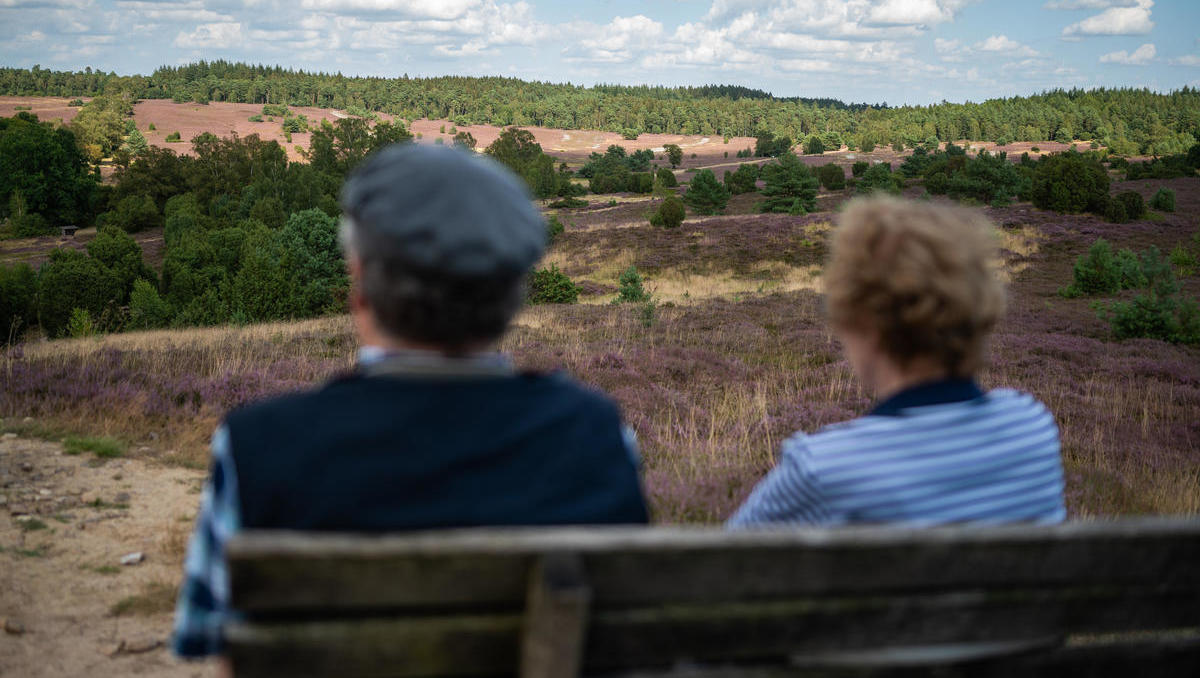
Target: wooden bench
column 971, row 601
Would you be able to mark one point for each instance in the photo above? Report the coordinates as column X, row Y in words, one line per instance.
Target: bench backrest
column 558, row 602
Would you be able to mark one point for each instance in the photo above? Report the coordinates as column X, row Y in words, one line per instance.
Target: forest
column 1126, row 121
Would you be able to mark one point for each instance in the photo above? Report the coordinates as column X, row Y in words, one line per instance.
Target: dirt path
column 69, row 606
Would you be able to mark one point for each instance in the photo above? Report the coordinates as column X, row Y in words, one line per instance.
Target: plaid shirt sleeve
column 203, row 605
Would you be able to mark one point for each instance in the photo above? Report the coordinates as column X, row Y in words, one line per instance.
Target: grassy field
column 733, row 357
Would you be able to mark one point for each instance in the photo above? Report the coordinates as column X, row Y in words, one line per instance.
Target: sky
column 894, row 51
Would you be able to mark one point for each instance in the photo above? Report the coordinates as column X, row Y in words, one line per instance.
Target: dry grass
column 156, row 598
column 684, row 287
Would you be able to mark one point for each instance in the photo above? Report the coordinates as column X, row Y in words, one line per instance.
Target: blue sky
column 899, row 51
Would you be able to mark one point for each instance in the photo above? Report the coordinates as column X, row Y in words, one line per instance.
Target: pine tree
column 705, row 194
column 790, row 187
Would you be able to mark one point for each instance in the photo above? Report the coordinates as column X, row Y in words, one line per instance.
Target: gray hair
column 449, row 311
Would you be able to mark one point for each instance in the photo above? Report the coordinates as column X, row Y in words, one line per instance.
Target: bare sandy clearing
column 66, row 523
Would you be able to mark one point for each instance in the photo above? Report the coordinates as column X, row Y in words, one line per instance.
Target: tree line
column 1126, row 120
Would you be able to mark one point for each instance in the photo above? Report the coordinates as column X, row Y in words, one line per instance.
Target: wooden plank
column 739, row 633
column 556, row 618
column 472, row 569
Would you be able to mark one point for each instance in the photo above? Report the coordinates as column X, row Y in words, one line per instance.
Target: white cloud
column 1003, row 43
column 1140, row 56
column 421, row 9
column 222, row 34
column 34, row 4
column 946, row 45
column 1089, row 4
column 616, row 41
column 1115, row 21
column 914, row 12
column 1185, row 60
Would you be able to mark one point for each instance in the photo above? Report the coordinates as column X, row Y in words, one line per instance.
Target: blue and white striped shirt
column 939, row 453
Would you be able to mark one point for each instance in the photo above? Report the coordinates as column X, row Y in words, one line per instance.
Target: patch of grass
column 101, row 504
column 62, row 518
column 29, row 553
column 102, row 569
column 32, row 525
column 155, row 598
column 102, row 446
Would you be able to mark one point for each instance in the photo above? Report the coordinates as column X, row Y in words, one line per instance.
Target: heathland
column 206, row 274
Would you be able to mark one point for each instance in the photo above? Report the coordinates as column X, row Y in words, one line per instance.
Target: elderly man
column 433, row 429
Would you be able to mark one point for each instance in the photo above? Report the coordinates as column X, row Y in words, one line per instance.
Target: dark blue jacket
column 377, row 453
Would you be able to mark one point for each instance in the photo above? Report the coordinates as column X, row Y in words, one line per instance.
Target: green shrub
column 666, row 178
column 1161, row 312
column 743, row 180
column 31, row 225
column 255, row 118
column 554, row 228
column 641, row 182
column 705, row 194
column 1184, row 261
column 80, row 324
column 75, row 103
column 670, row 214
column 147, row 310
column 68, row 280
column 1135, row 206
column 832, row 177
column 173, row 137
column 1130, row 273
column 152, row 127
column 569, row 203
column 1163, row 200
column 630, row 134
column 1095, row 273
column 630, row 287
column 552, row 286
column 275, row 109
column 1070, row 182
column 102, row 446
column 858, row 168
column 813, row 145
column 18, row 297
column 877, row 178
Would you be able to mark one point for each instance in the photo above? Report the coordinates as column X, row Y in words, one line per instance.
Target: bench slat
column 283, row 572
column 661, row 637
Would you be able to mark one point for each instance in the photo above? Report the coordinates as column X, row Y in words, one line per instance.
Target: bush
column 152, row 127
column 742, row 180
column 813, row 145
column 173, row 137
column 1070, row 182
column 1163, row 200
column 80, row 324
column 1184, row 261
column 670, row 214
column 878, row 178
column 18, row 301
column 1161, row 312
column 255, row 118
column 858, row 168
column 554, row 228
column 641, row 182
column 275, row 109
column 1115, row 212
column 705, row 194
column 832, row 177
column 630, row 134
column 666, row 178
column 552, row 286
column 147, row 310
column 31, row 225
column 630, row 287
column 1095, row 273
column 1135, row 206
column 789, row 187
column 134, row 213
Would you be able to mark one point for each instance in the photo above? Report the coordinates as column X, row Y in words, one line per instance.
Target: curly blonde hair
column 921, row 276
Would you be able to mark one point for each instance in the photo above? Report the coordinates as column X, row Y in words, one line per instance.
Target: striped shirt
column 939, row 453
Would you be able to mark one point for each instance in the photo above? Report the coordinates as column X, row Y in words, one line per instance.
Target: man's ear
column 356, row 299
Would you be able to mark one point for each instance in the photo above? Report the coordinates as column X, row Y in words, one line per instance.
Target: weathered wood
column 744, row 632
column 556, row 618
column 469, row 569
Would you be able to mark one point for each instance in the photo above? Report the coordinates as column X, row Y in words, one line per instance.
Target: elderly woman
column 912, row 297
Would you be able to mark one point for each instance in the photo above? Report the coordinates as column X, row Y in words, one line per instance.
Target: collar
column 376, row 361
column 930, row 393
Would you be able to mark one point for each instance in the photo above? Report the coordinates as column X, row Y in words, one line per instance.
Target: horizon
column 902, row 52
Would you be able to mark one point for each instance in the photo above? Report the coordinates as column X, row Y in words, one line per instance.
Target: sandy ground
column 62, row 586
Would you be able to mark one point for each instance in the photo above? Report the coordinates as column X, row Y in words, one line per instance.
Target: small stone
column 88, row 497
column 141, row 645
column 114, row 649
column 27, row 420
column 27, row 467
column 121, row 498
column 10, row 436
column 133, row 558
column 143, row 449
column 13, row 627
column 44, row 492
column 23, row 519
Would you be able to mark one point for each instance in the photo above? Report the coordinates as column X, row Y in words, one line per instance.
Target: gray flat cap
column 444, row 211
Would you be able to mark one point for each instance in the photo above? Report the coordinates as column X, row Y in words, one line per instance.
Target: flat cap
column 444, row 211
